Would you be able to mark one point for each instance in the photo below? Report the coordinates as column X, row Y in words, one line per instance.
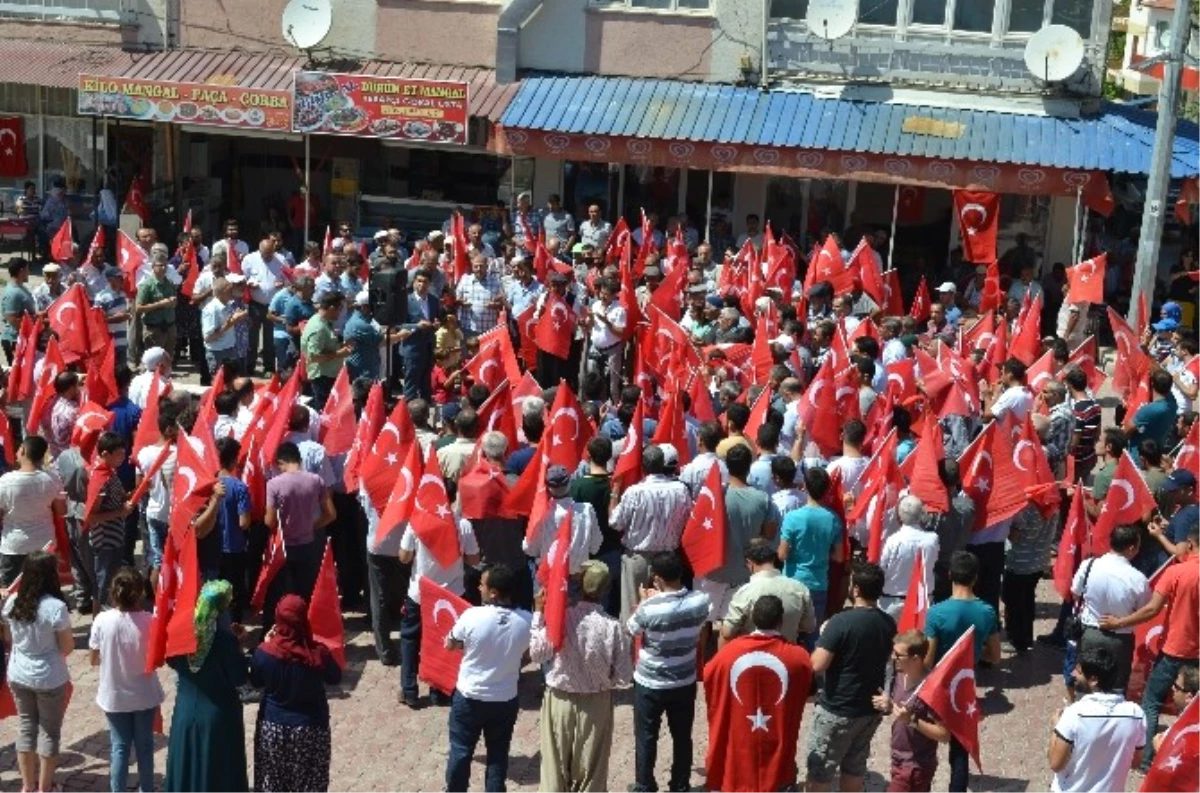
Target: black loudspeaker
column 388, row 290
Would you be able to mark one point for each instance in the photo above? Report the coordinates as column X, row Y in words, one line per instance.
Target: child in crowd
column 916, row 732
column 447, row 376
column 449, row 337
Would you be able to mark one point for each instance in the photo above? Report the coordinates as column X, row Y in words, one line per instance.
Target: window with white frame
column 655, row 5
column 878, row 12
column 106, row 11
column 1075, row 14
column 929, row 12
column 962, row 16
column 789, row 9
column 1025, row 16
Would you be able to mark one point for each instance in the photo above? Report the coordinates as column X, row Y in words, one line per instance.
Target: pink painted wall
column 222, row 24
column 640, row 44
column 455, row 32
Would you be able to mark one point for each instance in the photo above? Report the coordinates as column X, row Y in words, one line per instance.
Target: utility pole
column 1146, row 270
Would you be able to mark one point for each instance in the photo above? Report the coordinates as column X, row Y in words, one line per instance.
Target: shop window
column 929, row 12
column 1075, row 14
column 804, row 208
column 1024, row 222
column 1025, row 16
column 973, row 16
column 587, row 183
column 652, row 189
column 696, row 204
column 879, row 12
column 789, row 9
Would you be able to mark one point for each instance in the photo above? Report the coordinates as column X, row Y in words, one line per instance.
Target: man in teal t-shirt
column 946, row 622
column 812, row 536
column 1155, row 420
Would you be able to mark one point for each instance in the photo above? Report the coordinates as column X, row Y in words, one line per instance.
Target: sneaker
column 416, row 703
column 389, row 660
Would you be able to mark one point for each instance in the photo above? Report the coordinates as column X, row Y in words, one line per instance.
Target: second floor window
column 657, row 5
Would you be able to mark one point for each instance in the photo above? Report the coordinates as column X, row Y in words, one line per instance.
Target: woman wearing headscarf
column 292, row 738
column 38, row 625
column 207, row 749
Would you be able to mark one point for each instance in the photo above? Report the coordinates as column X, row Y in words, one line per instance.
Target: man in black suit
column 416, row 338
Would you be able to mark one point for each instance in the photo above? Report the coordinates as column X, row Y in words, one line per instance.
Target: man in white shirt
column 1011, row 396
column 899, row 555
column 231, row 239
column 1110, row 585
column 218, row 325
column 264, row 275
column 708, row 436
column 585, row 530
column 493, row 638
column 155, row 362
column 608, row 320
column 595, row 231
column 414, row 552
column 1025, row 285
column 1099, row 738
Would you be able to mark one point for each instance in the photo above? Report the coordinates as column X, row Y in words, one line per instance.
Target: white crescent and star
column 963, row 674
column 444, row 605
column 1021, row 444
column 983, row 216
column 766, row 661
column 574, row 414
column 190, row 475
column 1127, row 489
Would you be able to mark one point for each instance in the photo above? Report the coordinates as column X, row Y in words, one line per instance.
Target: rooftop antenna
column 306, row 23
column 1054, row 53
column 831, row 19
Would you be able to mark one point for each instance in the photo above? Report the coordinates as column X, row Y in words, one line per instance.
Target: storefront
column 393, row 144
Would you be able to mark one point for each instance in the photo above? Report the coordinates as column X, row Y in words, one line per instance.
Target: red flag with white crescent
column 338, row 425
column 703, row 541
column 68, row 319
column 402, row 500
column 172, row 630
column 367, row 430
column 1176, row 764
column 382, row 463
column 273, row 562
column 556, row 327
column 1071, row 545
column 950, row 691
column 1086, row 280
column 43, row 395
column 627, row 470
column 62, row 246
column 978, row 221
column 1128, row 501
column 440, row 609
column 916, row 602
column 432, row 520
column 195, row 478
column 557, row 564
column 325, row 609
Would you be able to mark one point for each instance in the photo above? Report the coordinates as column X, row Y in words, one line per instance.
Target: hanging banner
column 185, row 103
column 396, row 108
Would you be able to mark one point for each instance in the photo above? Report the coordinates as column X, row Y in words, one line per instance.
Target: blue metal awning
column 1118, row 138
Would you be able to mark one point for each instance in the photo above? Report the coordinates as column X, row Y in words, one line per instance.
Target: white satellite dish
column 306, row 23
column 1054, row 53
column 831, row 19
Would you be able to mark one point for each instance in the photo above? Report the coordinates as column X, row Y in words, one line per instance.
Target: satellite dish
column 831, row 19
column 306, row 22
column 1054, row 53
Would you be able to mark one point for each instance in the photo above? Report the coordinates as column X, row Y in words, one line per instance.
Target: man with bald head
column 264, row 275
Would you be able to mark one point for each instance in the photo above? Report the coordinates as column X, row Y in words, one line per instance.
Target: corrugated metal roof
column 487, row 99
column 27, row 62
column 1119, row 138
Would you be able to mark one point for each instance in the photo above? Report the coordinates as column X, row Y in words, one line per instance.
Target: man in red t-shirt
column 1177, row 590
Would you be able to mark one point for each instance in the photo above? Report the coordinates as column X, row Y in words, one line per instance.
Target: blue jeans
column 106, row 562
column 1157, row 691
column 470, row 718
column 285, row 355
column 156, row 536
column 819, row 601
column 137, row 728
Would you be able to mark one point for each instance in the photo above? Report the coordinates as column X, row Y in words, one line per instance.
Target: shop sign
column 395, row 108
column 185, row 103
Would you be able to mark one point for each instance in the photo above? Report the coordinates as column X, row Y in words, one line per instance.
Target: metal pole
column 892, row 237
column 308, row 189
column 1146, row 270
column 763, row 82
column 708, row 211
column 1075, row 227
column 41, row 143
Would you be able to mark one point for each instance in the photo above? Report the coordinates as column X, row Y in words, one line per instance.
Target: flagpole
column 892, row 236
column 307, row 188
column 708, row 210
column 1075, row 252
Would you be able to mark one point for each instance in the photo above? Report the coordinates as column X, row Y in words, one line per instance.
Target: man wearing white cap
column 49, row 290
column 947, row 293
column 154, row 361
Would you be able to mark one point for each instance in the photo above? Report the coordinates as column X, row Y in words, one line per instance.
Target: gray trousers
column 1119, row 644
column 635, row 572
column 82, row 562
column 387, row 584
column 39, row 718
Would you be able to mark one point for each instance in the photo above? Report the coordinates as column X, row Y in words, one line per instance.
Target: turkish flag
column 1070, row 546
column 1187, row 457
column 402, row 499
column 43, row 395
column 98, row 477
column 703, row 541
column 556, row 327
column 668, row 297
column 338, row 425
column 147, row 430
column 1128, row 501
column 991, row 478
column 761, row 357
column 1097, row 194
column 526, row 331
column 438, row 666
column 781, row 269
column 325, row 610
column 62, row 246
column 867, row 329
column 1027, row 341
column 735, row 274
column 881, row 484
column 921, row 304
column 369, row 426
column 172, row 630
column 617, row 239
column 1084, row 358
column 458, row 233
column 634, row 316
column 554, row 572
column 1176, row 765
column 1029, row 455
column 568, row 429
column 90, row 422
column 1040, row 372
column 702, row 401
column 432, row 521
column 916, row 602
column 135, row 198
column 893, row 299
column 1132, row 363
column 273, row 562
column 1086, row 280
column 487, row 366
column 382, row 463
column 925, row 483
column 672, row 425
column 68, row 319
column 910, row 204
column 191, row 263
column 1147, row 642
column 530, row 488
column 818, row 407
column 498, row 414
column 992, row 298
column 13, row 163
column 508, row 355
column 627, row 470
column 195, row 477
column 102, row 377
column 755, row 688
column 957, row 709
column 1189, row 193
column 130, row 257
column 277, row 425
column 978, row 220
column 482, row 491
column 20, row 376
column 979, row 335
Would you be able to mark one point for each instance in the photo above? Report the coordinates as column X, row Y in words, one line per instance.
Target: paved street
column 380, row 746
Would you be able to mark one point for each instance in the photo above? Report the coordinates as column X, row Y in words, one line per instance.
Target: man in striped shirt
column 668, row 619
column 1087, row 422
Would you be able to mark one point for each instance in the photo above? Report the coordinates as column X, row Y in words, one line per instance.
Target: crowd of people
column 798, row 494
